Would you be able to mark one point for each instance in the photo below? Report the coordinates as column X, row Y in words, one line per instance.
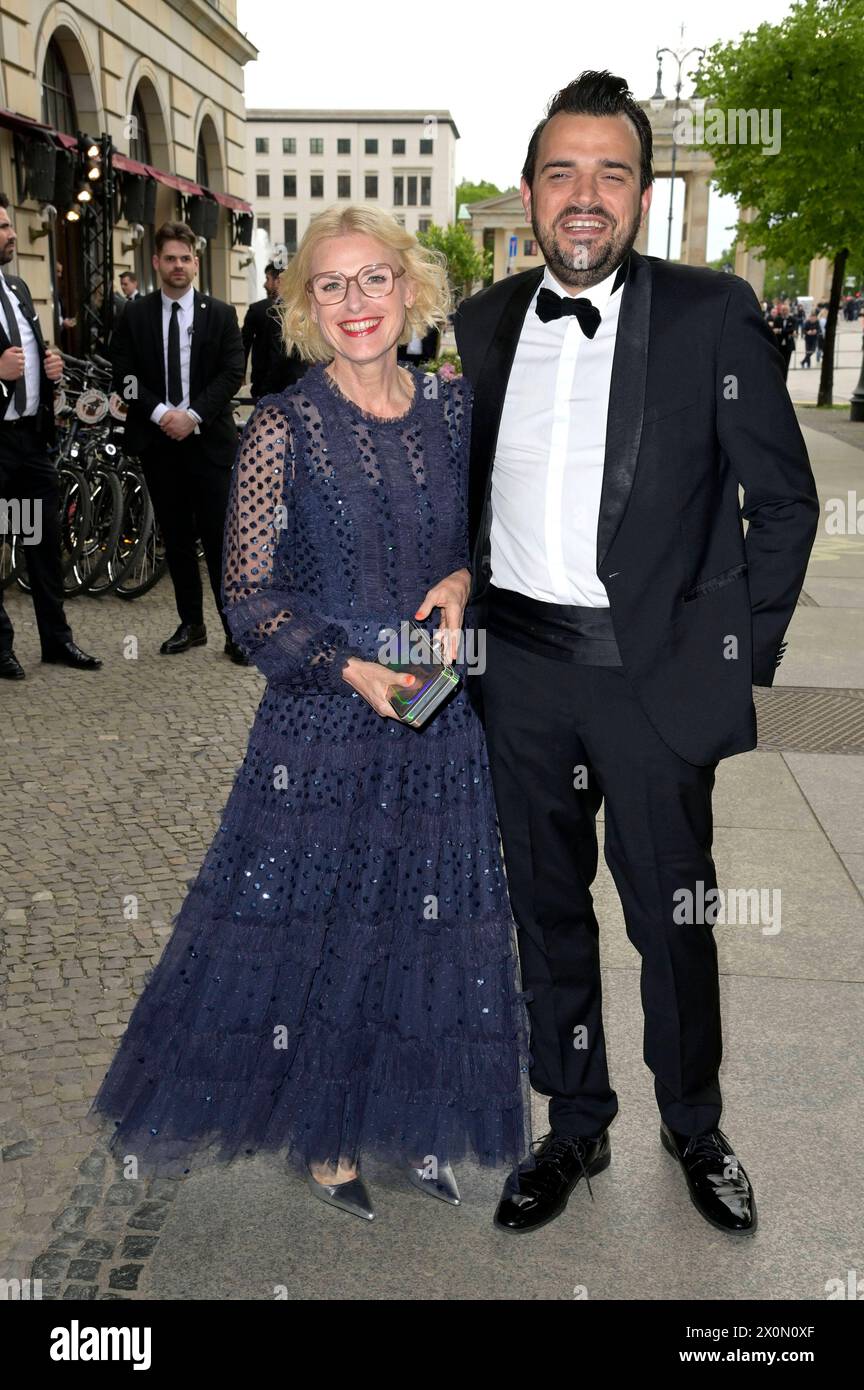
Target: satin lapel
column 626, row 402
column 199, row 328
column 490, row 391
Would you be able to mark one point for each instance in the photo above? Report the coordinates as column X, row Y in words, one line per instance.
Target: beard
column 586, row 263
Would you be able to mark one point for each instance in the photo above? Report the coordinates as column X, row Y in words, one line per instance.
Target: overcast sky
column 493, row 65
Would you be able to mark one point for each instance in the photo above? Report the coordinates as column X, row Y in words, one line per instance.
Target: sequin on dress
column 342, row 977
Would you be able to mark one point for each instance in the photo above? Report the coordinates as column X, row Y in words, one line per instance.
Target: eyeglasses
column 375, row 281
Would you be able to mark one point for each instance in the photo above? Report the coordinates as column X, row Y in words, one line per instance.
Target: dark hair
column 596, row 94
column 4, row 200
column 128, row 275
column 271, row 268
column 175, row 231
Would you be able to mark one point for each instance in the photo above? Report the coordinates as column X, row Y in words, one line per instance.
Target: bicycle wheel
column 134, row 532
column 75, row 514
column 147, row 569
column 106, row 497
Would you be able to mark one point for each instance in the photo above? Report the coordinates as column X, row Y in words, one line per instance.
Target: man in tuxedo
column 272, row 368
column 619, row 400
column 28, row 475
column 178, row 360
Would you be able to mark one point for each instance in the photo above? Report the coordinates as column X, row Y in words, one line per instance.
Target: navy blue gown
column 342, row 977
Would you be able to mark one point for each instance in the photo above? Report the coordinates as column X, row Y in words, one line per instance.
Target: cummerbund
column 562, row 631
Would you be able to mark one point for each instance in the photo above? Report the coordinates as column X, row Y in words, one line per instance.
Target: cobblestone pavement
column 111, row 786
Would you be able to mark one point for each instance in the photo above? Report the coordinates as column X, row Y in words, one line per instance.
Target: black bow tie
column 553, row 306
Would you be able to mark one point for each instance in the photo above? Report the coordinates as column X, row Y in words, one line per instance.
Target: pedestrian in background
column 178, row 360
column 28, row 371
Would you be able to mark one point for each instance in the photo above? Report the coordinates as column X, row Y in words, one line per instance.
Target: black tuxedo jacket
column 697, row 406
column 215, row 373
column 45, row 412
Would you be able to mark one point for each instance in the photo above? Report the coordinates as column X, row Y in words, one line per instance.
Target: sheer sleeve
column 290, row 643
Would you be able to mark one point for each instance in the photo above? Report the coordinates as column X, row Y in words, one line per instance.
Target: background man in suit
column 619, row 402
column 129, row 285
column 272, row 368
column 178, row 360
column 27, row 372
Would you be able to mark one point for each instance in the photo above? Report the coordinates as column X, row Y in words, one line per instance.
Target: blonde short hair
column 424, row 266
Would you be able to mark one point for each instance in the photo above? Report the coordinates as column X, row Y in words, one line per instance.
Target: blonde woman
column 342, row 980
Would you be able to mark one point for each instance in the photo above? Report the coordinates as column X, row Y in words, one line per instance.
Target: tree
column 465, row 263
column 468, row 192
column 784, row 280
column 800, row 78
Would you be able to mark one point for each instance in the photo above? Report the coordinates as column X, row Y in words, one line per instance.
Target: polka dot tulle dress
column 342, row 976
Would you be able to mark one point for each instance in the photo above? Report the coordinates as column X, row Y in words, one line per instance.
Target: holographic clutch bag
column 434, row 680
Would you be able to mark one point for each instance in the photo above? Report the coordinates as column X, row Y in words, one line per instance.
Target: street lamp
column 658, row 101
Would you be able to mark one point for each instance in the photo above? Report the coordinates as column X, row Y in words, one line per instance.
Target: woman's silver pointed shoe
column 349, row 1196
column 443, row 1185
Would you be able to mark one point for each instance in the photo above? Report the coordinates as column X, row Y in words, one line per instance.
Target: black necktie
column 175, row 382
column 15, row 339
column 553, row 306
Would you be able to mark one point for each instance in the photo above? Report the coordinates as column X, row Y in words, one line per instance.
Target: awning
column 228, row 200
column 131, row 166
column 26, row 125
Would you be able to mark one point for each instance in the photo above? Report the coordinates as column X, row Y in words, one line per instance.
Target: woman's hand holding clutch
column 450, row 595
column 374, row 682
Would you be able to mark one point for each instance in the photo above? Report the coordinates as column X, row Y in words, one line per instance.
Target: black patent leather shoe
column 10, row 667
column 237, row 654
column 719, row 1188
column 187, row 635
column 537, row 1192
column 67, row 654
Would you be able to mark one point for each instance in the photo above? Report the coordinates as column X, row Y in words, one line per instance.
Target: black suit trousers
column 564, row 739
column 27, row 474
column 190, row 499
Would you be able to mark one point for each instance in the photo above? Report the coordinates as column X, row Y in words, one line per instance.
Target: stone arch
column 207, row 129
column 61, row 24
column 145, row 83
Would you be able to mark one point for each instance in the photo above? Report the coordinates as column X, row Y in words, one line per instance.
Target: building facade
column 301, row 162
column 164, row 80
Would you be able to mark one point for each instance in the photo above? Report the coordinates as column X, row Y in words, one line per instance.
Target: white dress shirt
column 547, row 474
column 32, row 358
column 185, row 317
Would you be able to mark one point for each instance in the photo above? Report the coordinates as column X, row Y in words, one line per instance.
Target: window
column 398, row 146
column 426, row 190
column 316, row 144
column 289, row 144
column 411, row 200
column 262, row 144
column 424, row 224
column 289, row 185
column 343, row 146
column 262, row 185
column 289, row 235
column 343, row 185
column 427, row 146
column 398, row 191
column 316, row 185
column 139, row 140
column 371, row 186
column 370, row 146
column 529, row 248
column 58, row 103
column 263, row 225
